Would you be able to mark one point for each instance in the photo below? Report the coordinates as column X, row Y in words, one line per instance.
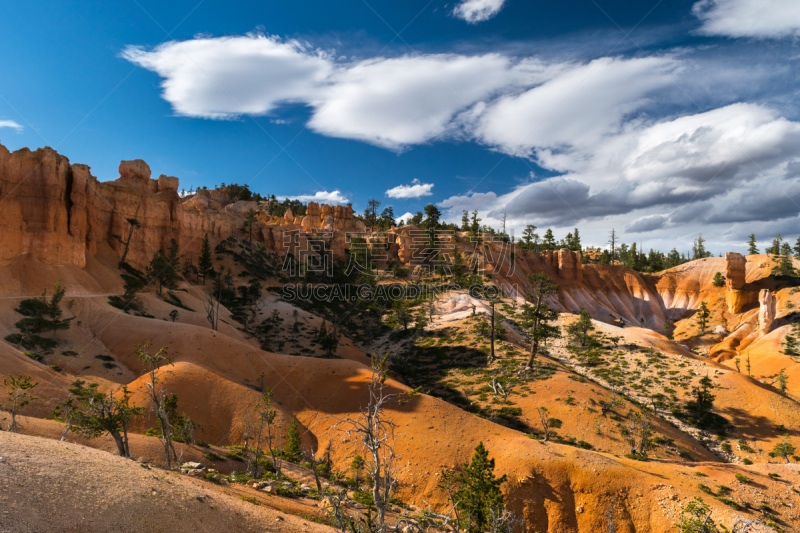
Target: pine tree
column 18, row 388
column 702, row 404
column 797, row 247
column 699, row 248
column 294, row 443
column 719, row 280
column 538, row 315
column 474, row 227
column 249, row 222
column 783, row 449
column 575, row 244
column 702, row 317
column 696, row 518
column 782, row 380
column 581, row 327
column 479, row 494
column 204, row 264
column 752, row 249
column 159, row 270
column 465, row 220
column 529, row 236
column 791, row 347
column 549, row 240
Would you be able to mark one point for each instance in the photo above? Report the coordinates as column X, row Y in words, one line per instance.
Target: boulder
column 241, row 208
column 135, row 172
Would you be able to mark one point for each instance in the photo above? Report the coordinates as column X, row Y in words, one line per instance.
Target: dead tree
column 545, row 419
column 211, row 305
column 266, row 422
column 158, row 395
column 133, row 224
column 377, row 436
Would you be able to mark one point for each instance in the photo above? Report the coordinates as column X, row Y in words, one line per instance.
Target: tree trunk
column 119, row 442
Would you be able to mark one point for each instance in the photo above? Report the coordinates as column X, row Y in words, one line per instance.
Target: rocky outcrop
column 569, row 265
column 766, row 311
column 735, row 270
column 60, row 213
column 136, row 173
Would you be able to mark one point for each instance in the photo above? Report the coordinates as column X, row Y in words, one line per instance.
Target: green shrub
column 251, row 499
column 729, row 502
column 213, row 456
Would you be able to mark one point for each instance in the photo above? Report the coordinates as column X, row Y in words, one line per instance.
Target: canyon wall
column 59, row 212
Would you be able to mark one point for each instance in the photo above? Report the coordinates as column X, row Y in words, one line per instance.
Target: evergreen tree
column 474, row 226
column 785, row 267
column 205, row 264
column 782, row 380
column 18, row 388
column 549, row 240
column 529, row 236
column 479, row 495
column 696, row 518
column 700, row 407
column 387, row 218
column 752, row 249
column 98, row 413
column 719, row 280
column 294, row 443
column 575, row 241
column 371, row 213
column 791, row 347
column 699, row 248
column 673, row 258
column 538, row 315
column 160, row 270
column 581, row 327
column 465, row 220
column 432, row 216
column 797, row 247
column 249, row 222
column 702, row 317
column 783, row 449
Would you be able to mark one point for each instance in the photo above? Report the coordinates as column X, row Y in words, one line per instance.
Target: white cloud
column 576, row 107
column 10, row 124
column 390, row 102
column 225, row 77
column 322, row 197
column 415, row 190
column 761, row 19
column 474, row 11
column 735, row 164
column 404, row 218
column 408, row 100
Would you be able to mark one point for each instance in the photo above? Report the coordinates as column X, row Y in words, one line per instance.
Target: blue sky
column 660, row 119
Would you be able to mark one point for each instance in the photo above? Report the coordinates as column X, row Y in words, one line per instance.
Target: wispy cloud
column 763, row 19
column 474, row 11
column 415, row 190
column 11, row 124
